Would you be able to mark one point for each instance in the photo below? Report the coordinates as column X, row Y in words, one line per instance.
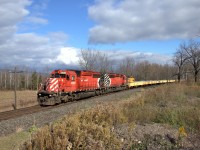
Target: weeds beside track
column 176, row 105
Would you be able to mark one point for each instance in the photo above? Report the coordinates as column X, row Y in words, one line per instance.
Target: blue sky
column 69, row 17
column 50, row 32
column 72, row 18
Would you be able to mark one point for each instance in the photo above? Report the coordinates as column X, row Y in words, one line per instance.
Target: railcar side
column 69, row 85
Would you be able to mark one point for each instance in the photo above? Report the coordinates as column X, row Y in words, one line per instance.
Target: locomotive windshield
column 57, row 75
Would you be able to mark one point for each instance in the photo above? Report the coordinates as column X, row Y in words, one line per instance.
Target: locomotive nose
column 52, row 85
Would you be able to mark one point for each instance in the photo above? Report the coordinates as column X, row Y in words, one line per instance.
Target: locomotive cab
column 48, row 93
column 57, row 86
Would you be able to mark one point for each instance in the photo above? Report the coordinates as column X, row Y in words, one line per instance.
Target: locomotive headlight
column 50, row 95
column 39, row 94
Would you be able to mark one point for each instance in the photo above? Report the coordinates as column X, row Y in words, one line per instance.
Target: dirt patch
column 154, row 137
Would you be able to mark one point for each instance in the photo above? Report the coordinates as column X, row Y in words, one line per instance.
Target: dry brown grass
column 24, row 99
column 90, row 129
column 13, row 141
column 177, row 105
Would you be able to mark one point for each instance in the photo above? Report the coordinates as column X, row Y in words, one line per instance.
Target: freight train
column 69, row 85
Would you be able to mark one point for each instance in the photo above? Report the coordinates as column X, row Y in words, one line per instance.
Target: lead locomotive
column 70, row 85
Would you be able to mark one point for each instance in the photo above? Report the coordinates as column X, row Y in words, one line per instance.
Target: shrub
column 92, row 129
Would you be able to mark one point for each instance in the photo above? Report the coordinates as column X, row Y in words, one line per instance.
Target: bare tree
column 193, row 53
column 167, row 72
column 127, row 66
column 103, row 63
column 179, row 60
column 153, row 71
column 145, row 69
column 87, row 59
column 95, row 60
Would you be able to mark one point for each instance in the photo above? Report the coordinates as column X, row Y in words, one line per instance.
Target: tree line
column 24, row 80
column 187, row 60
column 99, row 61
column 186, row 65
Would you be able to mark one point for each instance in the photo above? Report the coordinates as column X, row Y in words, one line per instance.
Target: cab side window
column 67, row 77
column 62, row 75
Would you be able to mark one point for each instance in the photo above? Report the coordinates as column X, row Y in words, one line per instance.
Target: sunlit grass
column 177, row 105
column 24, row 99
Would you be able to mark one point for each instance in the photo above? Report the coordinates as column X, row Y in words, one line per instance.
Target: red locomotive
column 69, row 85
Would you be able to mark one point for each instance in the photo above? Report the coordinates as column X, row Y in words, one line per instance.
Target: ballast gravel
column 44, row 118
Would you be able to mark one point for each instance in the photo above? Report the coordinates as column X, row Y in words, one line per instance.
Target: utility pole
column 15, row 87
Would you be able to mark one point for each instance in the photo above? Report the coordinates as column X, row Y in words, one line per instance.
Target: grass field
column 176, row 105
column 24, row 99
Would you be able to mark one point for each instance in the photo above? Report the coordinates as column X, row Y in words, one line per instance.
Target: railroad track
column 29, row 110
column 34, row 109
column 19, row 112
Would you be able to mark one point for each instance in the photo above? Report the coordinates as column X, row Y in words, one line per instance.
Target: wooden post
column 15, row 107
column 15, row 86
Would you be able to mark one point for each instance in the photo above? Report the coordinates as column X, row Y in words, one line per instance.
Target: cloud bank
column 29, row 48
column 11, row 14
column 118, row 22
column 134, row 20
column 70, row 56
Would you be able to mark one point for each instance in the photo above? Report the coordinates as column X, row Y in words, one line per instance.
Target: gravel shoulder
column 43, row 118
column 154, row 137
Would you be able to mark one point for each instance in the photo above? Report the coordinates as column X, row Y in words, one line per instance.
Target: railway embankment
column 164, row 117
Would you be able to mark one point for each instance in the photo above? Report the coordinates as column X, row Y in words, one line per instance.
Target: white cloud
column 139, row 56
column 32, row 49
column 11, row 12
column 68, row 55
column 36, row 16
column 131, row 20
column 29, row 49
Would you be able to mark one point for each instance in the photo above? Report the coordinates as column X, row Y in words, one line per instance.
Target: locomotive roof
column 78, row 71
